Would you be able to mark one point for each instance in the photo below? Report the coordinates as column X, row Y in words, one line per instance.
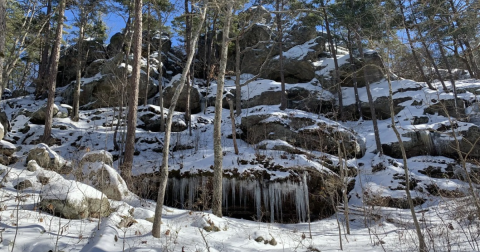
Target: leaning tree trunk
column 53, row 73
column 217, row 132
column 376, row 132
column 126, row 169
column 156, row 231
column 421, row 240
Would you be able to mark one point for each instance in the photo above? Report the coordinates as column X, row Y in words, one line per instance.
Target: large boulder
column 319, row 135
column 155, row 38
column 294, row 70
column 101, row 156
column 438, row 141
column 103, row 178
column 152, row 122
column 297, row 62
column 104, row 91
column 195, row 97
column 71, row 199
column 68, row 61
column 39, row 116
column 116, row 44
column 7, row 150
column 46, row 157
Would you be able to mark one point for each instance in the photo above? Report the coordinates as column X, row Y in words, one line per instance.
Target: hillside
column 286, row 172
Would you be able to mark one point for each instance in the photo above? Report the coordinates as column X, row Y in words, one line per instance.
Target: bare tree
column 81, row 35
column 52, row 79
column 217, row 124
column 156, row 231
column 126, row 169
column 334, row 55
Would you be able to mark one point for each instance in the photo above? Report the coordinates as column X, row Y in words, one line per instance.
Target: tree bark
column 217, row 133
column 279, row 7
column 376, row 132
column 334, row 55
column 126, row 169
column 43, row 68
column 76, row 95
column 3, row 29
column 421, row 240
column 53, row 74
column 234, row 128
column 148, row 56
column 412, row 47
column 156, row 229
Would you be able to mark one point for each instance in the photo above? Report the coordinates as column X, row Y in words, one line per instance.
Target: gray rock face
column 46, row 157
column 38, row 117
column 195, row 105
column 439, row 142
column 105, row 92
column 295, row 70
column 69, row 59
column 301, row 132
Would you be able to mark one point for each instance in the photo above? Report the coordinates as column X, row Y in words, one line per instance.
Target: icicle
column 258, row 200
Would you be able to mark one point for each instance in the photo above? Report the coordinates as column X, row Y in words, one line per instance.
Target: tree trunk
column 358, row 104
column 44, row 63
column 238, row 87
column 126, row 169
column 217, row 132
column 148, row 56
column 76, row 95
column 449, row 69
column 421, row 240
column 279, row 7
column 370, row 101
column 160, row 84
column 334, row 55
column 412, row 47
column 189, row 80
column 156, row 231
column 53, row 73
column 3, row 29
column 234, row 128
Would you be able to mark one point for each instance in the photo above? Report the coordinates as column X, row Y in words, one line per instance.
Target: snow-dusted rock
column 46, row 157
column 195, row 105
column 101, row 156
column 38, row 117
column 32, row 165
column 308, row 133
column 103, row 177
column 71, row 199
column 7, row 148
